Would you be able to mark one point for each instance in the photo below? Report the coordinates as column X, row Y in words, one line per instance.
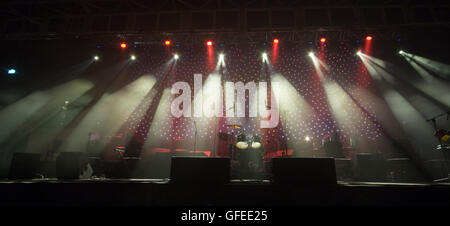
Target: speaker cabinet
column 25, row 166
column 371, row 167
column 306, row 172
column 200, row 171
column 72, row 165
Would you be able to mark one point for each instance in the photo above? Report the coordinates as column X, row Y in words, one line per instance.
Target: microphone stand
column 195, row 136
column 214, row 154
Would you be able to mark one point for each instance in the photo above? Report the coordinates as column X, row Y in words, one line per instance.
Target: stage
column 148, row 192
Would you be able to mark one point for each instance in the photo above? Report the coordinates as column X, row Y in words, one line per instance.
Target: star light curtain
column 243, row 63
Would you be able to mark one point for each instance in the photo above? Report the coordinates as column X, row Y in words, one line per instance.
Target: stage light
column 209, row 43
column 323, row 40
column 133, row 57
column 369, row 38
column 96, row 58
column 123, row 45
column 311, row 54
column 11, row 71
column 401, row 52
column 176, row 56
column 307, row 138
column 264, row 57
column 167, row 43
column 359, row 53
column 275, row 41
column 221, row 57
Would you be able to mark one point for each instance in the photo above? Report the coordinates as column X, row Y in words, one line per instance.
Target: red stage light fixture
column 275, row 41
column 369, row 38
column 209, row 43
column 167, row 43
column 323, row 40
column 123, row 45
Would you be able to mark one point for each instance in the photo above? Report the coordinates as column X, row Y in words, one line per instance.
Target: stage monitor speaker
column 200, row 171
column 306, row 172
column 371, row 167
column 25, row 166
column 72, row 165
column 154, row 166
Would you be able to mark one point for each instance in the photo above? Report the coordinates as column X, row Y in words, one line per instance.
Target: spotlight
column 96, row 58
column 401, row 52
column 133, row 57
column 167, row 43
column 275, row 41
column 11, row 71
column 311, row 54
column 264, row 56
column 359, row 53
column 209, row 43
column 369, row 38
column 123, row 45
column 323, row 40
column 176, row 56
column 221, row 57
column 307, row 138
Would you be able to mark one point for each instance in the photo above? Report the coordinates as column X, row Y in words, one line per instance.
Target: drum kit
column 244, row 148
column 241, row 141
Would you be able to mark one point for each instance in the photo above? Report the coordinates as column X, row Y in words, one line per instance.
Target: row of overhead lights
column 124, row 45
column 132, row 57
column 221, row 58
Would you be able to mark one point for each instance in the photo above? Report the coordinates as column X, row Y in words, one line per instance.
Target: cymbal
column 234, row 126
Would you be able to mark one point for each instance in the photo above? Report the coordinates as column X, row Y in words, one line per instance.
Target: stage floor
column 157, row 192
